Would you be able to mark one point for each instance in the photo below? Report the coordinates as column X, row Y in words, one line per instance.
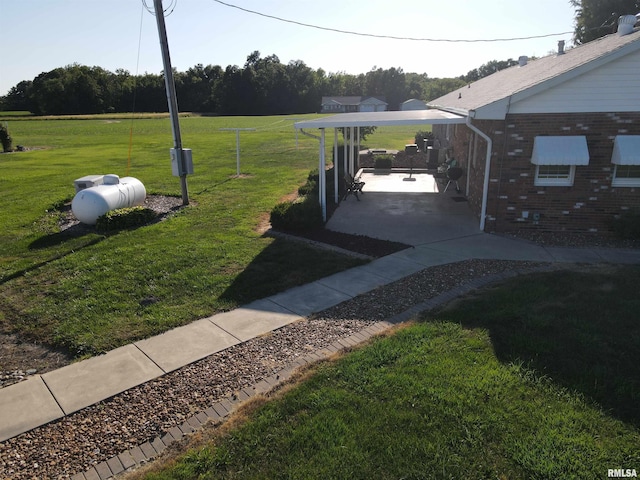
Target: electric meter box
column 188, row 162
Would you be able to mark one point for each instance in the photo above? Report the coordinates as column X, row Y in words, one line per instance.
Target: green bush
column 627, row 226
column 383, row 161
column 125, row 218
column 300, row 215
column 311, row 186
column 421, row 136
column 5, row 139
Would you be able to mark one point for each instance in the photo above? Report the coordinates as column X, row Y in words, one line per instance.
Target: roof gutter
column 487, row 168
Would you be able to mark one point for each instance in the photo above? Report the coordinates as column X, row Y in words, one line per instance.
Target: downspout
column 322, row 176
column 487, row 169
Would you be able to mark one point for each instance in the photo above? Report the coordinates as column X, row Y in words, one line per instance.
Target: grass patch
column 94, row 292
column 442, row 399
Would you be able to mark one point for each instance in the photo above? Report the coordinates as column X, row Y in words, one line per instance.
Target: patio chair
column 353, row 186
column 454, row 174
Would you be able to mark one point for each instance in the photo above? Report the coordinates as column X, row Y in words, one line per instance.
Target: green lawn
column 534, row 379
column 93, row 292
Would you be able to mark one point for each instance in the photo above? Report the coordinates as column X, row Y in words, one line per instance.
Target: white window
column 626, row 176
column 556, row 159
column 555, row 175
column 626, row 158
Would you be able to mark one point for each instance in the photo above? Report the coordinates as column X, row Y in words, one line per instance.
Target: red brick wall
column 587, row 206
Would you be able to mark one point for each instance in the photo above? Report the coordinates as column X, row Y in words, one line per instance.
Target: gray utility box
column 188, row 162
column 88, row 182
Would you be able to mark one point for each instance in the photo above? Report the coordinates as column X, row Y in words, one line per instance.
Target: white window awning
column 626, row 150
column 563, row 150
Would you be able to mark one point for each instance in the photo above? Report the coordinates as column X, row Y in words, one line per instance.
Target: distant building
column 413, row 104
column 353, row 104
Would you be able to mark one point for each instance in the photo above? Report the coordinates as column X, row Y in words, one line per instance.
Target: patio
column 410, row 211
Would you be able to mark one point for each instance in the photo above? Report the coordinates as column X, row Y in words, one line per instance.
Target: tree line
column 263, row 86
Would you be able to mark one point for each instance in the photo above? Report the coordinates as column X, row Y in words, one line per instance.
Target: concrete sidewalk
column 47, row 397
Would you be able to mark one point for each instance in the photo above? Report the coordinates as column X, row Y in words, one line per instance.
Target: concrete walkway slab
column 310, row 298
column 183, row 345
column 573, row 255
column 392, row 267
column 81, row 384
column 622, row 256
column 26, row 405
column 488, row 246
column 354, row 281
column 254, row 319
column 426, row 256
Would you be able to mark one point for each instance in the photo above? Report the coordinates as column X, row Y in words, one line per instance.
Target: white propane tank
column 114, row 193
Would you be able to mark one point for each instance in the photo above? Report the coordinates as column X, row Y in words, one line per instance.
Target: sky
column 37, row 36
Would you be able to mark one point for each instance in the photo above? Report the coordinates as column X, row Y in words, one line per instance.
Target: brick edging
column 144, row 453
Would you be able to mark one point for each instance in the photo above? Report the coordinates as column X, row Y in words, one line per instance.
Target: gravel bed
column 73, row 444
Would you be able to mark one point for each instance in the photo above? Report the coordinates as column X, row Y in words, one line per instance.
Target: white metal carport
column 356, row 120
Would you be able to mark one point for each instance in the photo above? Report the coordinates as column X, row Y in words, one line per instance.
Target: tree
column 487, row 69
column 18, row 97
column 597, row 18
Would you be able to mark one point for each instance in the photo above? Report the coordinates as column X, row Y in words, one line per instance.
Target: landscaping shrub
column 5, row 139
column 627, row 226
column 421, row 136
column 125, row 218
column 311, row 186
column 383, row 161
column 300, row 215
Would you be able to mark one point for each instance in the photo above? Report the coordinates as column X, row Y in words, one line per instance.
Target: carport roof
column 379, row 119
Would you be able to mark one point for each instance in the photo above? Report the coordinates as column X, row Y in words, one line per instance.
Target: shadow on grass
column 578, row 328
column 282, row 265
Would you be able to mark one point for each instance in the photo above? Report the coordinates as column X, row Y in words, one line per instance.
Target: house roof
column 490, row 96
column 347, row 100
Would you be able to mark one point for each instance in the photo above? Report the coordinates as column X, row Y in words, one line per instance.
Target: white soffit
column 379, row 119
column 564, row 150
column 626, row 150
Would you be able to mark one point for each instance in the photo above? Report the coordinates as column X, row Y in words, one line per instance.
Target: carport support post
column 322, row 177
column 335, row 165
column 351, row 133
column 345, row 160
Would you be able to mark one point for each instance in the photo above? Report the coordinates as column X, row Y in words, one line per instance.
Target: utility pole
column 170, row 87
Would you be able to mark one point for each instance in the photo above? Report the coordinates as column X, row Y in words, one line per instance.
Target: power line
column 389, row 37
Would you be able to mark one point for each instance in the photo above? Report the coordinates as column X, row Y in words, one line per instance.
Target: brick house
column 553, row 144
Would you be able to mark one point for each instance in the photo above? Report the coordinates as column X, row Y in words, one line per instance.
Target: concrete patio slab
column 398, row 181
column 26, row 405
column 310, row 298
column 411, row 212
column 254, row 319
column 184, row 345
column 354, row 281
column 84, row 383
